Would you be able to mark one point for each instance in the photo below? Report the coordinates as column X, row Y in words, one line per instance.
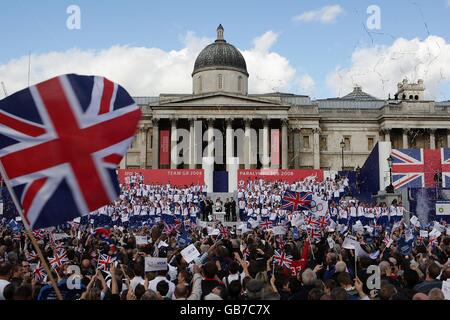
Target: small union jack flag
column 311, row 221
column 31, row 256
column 323, row 222
column 266, row 224
column 39, row 273
column 225, row 232
column 314, row 234
column 296, row 201
column 433, row 241
column 282, row 259
column 104, row 262
column 387, row 240
column 169, row 229
column 39, row 234
column 58, row 260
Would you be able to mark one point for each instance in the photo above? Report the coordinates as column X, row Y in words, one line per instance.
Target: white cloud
column 147, row 71
column 269, row 71
column 379, row 69
column 327, row 14
column 307, row 85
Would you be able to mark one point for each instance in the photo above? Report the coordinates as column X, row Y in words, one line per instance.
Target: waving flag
column 445, row 163
column 61, row 141
column 39, row 273
column 282, row 259
column 104, row 262
column 415, row 167
column 31, row 256
column 58, row 260
column 224, row 232
column 310, row 221
column 296, row 201
column 314, row 234
column 266, row 224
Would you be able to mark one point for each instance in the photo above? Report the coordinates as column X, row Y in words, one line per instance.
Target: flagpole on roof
column 29, row 232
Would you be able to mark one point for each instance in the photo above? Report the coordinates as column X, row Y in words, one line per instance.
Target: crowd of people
column 270, row 254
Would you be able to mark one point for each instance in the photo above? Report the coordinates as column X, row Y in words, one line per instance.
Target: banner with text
column 164, row 147
column 176, row 177
column 286, row 175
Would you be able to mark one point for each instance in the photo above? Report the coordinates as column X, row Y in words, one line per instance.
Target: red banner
column 164, row 143
column 275, row 147
column 175, row 177
column 278, row 175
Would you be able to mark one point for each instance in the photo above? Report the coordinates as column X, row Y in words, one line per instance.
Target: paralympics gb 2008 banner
column 285, row 175
column 176, row 177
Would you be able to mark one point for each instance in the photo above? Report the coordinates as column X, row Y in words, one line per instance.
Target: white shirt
column 3, row 284
column 135, row 281
column 234, row 277
column 152, row 285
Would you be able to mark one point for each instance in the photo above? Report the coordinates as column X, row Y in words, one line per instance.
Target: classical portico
column 221, row 119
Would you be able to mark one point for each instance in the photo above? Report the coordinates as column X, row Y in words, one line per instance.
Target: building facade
column 276, row 130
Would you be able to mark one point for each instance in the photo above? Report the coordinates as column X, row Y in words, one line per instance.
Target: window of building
column 219, row 81
column 239, row 83
column 370, row 142
column 323, row 144
column 306, row 142
column 347, row 143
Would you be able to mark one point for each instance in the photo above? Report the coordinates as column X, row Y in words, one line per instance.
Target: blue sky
column 312, row 48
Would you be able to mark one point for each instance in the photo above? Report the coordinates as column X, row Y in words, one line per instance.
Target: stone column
column 143, row 146
column 192, row 146
column 432, row 138
column 296, row 148
column 405, row 139
column 284, row 143
column 387, row 135
column 448, row 138
column 155, row 144
column 316, row 147
column 173, row 144
column 229, row 140
column 265, row 145
column 247, row 142
column 210, row 135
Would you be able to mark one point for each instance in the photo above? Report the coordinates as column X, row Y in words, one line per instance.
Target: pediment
column 218, row 99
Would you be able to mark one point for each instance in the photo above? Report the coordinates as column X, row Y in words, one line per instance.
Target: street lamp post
column 342, row 154
column 390, row 187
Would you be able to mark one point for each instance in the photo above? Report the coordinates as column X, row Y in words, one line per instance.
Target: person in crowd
column 318, row 256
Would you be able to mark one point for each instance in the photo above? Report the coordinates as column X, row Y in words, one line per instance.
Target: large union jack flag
column 296, row 201
column 60, row 143
column 445, row 162
column 415, row 168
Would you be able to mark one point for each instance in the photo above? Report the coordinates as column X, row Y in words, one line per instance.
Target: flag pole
column 310, row 245
column 29, row 232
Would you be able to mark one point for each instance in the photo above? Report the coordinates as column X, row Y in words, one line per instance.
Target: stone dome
column 220, row 55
